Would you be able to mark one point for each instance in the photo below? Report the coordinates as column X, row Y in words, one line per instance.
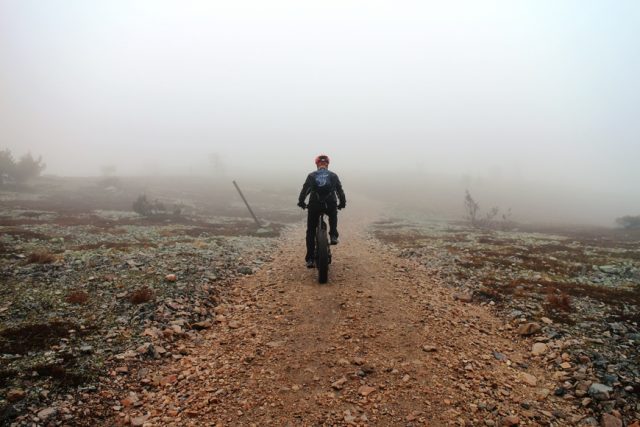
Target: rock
column 546, row 321
column 339, row 384
column 205, row 324
column 139, row 421
column 47, row 413
column 130, row 400
column 610, row 379
column 529, row 379
column 609, row 269
column 170, row 277
column 86, row 349
column 511, row 420
column 539, row 349
column 500, row 356
column 429, row 348
column 463, row 296
column 15, row 394
column 151, row 332
column 366, row 390
column 169, row 379
column 599, row 391
column 145, row 348
column 358, row 361
column 245, row 270
column 220, row 318
column 527, row 329
column 609, row 420
column 234, row 324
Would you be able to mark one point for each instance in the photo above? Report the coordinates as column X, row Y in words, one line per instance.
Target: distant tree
column 629, row 222
column 142, row 206
column 216, row 163
column 472, row 208
column 7, row 166
column 28, row 168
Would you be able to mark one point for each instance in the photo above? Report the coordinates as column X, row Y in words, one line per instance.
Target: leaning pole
column 255, row 218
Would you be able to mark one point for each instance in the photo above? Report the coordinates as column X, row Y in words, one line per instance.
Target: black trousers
column 313, row 215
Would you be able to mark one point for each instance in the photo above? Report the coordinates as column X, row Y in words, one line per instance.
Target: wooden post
column 247, row 203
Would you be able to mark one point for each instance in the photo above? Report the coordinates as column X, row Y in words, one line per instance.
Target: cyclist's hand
column 303, row 205
column 342, row 205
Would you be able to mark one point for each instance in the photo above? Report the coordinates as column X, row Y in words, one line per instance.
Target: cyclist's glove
column 302, row 204
column 342, row 205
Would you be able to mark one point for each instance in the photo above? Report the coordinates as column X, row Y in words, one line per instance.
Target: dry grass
column 41, row 256
column 560, row 301
column 77, row 297
column 141, row 295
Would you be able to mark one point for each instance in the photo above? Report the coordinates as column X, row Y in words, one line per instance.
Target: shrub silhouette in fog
column 21, row 171
column 144, row 207
column 472, row 209
column 629, row 222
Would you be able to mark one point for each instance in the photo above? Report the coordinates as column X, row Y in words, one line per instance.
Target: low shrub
column 77, row 297
column 41, row 256
column 560, row 301
column 141, row 295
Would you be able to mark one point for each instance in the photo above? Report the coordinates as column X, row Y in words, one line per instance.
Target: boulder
column 609, row 420
column 463, row 296
column 600, row 391
column 527, row 329
column 539, row 349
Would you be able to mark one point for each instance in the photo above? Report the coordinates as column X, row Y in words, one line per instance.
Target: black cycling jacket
column 309, row 187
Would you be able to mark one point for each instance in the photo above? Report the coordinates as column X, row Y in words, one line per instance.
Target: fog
column 531, row 105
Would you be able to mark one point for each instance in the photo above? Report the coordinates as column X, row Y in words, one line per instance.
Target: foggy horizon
column 520, row 96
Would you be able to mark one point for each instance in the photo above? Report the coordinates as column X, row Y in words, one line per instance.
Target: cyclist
column 322, row 186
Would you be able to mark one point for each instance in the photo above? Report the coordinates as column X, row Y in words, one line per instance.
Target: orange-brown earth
column 383, row 343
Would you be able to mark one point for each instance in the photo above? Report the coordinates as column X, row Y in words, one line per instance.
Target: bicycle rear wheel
column 322, row 253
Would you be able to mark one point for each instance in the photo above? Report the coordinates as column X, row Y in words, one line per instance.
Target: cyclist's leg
column 312, row 223
column 332, row 213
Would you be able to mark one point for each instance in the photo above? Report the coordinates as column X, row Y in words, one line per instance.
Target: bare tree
column 472, row 208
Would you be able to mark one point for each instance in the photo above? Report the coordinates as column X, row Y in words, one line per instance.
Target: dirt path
column 381, row 344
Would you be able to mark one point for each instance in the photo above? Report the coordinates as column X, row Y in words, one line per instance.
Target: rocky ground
column 84, row 288
column 109, row 318
column 576, row 292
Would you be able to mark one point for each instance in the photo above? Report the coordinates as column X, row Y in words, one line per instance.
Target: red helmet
column 322, row 158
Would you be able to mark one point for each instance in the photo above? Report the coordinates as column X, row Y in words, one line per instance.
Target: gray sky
column 542, row 91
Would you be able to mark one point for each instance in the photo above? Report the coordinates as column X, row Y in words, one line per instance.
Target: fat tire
column 323, row 255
